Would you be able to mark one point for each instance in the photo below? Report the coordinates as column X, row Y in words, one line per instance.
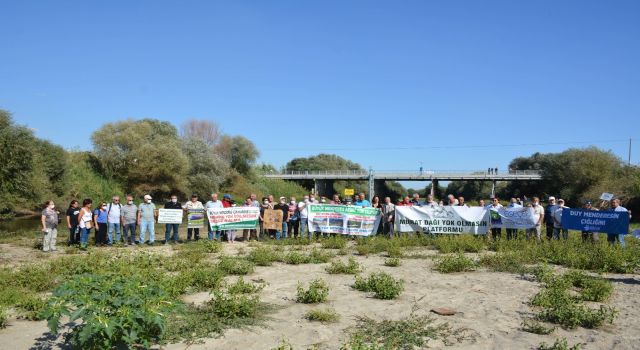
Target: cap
column 146, row 196
column 587, row 202
column 552, row 198
column 226, row 195
column 283, row 197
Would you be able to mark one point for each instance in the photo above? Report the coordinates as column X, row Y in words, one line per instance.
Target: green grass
column 559, row 344
column 454, row 263
column 318, row 292
column 322, row 315
column 383, row 285
column 236, row 266
column 392, row 262
column 339, row 267
column 536, row 327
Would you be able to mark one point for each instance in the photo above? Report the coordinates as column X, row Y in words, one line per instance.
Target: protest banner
column 518, row 217
column 195, row 218
column 343, row 219
column 272, row 219
column 233, row 218
column 349, row 191
column 442, row 219
column 169, row 216
column 605, row 221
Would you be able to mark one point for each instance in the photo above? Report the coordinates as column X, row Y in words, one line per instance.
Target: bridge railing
column 405, row 172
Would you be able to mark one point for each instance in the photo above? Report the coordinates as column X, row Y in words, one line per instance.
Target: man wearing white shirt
column 496, row 232
column 557, row 222
column 611, row 238
column 213, row 203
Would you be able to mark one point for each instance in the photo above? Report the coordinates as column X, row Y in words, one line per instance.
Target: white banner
column 343, row 219
column 442, row 219
column 169, row 216
column 519, row 217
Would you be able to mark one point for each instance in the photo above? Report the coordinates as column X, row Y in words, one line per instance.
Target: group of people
column 116, row 222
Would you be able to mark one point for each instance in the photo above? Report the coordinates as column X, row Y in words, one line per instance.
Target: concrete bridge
column 323, row 180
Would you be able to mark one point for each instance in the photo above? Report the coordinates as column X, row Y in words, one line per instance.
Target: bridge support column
column 371, row 184
column 434, row 184
column 493, row 189
column 323, row 187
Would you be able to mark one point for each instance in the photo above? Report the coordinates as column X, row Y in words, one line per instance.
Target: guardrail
column 402, row 172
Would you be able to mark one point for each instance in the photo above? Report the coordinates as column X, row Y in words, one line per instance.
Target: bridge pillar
column 371, row 184
column 493, row 189
column 434, row 184
column 323, row 188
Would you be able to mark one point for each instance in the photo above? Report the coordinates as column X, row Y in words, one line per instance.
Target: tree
column 207, row 171
column 239, row 151
column 206, row 130
column 16, row 157
column 145, row 155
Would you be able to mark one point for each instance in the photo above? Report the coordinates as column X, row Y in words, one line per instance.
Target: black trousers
column 195, row 232
column 74, row 235
column 293, row 226
column 549, row 231
column 101, row 233
column 512, row 233
column 496, row 233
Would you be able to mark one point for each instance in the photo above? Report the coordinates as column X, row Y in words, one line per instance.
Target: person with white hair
column 557, row 222
column 548, row 216
column 147, row 214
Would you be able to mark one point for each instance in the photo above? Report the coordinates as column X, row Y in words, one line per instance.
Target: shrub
column 242, row 287
column 318, row 256
column 235, row 266
column 394, row 251
column 559, row 344
column 317, row 293
column 383, row 285
column 503, row 262
column 322, row 315
column 227, row 305
column 202, row 278
column 3, row 318
column 263, row 256
column 454, row 263
column 392, row 262
column 109, row 311
column 296, row 258
column 337, row 242
column 535, row 327
column 337, row 267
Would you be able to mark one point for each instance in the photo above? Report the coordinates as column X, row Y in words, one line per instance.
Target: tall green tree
column 146, row 156
column 207, row 171
column 239, row 152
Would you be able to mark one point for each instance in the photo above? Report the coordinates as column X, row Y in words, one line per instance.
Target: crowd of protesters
column 115, row 222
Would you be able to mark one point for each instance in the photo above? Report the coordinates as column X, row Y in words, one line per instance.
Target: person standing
column 430, row 202
column 282, row 205
column 461, row 202
column 589, row 235
column 336, row 200
column 482, row 204
column 85, row 222
column 388, row 217
column 557, row 222
column 265, row 205
column 49, row 220
column 362, row 202
column 415, row 201
column 452, row 201
column 114, row 220
column 172, row 204
column 194, row 203
column 147, row 220
column 72, row 223
column 100, row 221
column 228, row 202
column 496, row 232
column 129, row 213
column 247, row 234
column 406, row 202
column 294, row 218
column 612, row 238
column 213, row 203
column 538, row 216
column 512, row 233
column 303, row 209
column 548, row 216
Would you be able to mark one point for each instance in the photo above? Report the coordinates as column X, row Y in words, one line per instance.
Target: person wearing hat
column 213, row 203
column 193, row 204
column 589, row 235
column 548, row 216
column 147, row 214
column 282, row 205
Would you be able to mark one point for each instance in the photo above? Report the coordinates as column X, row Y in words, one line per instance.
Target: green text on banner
column 347, row 220
column 233, row 218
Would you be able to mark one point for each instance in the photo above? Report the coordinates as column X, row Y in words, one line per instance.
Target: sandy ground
column 490, row 305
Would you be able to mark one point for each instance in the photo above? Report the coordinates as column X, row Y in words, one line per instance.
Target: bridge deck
column 525, row 175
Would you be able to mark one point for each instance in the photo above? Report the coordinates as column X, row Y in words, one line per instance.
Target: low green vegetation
column 392, row 262
column 235, row 266
column 407, row 333
column 536, row 327
column 561, row 301
column 318, row 292
column 339, row 267
column 383, row 285
column 322, row 315
column 559, row 344
column 454, row 263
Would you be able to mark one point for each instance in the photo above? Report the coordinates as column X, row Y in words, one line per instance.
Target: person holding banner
column 496, row 232
column 388, row 216
column 282, row 233
column 589, row 235
column 304, row 216
column 557, row 222
column 193, row 205
column 513, row 232
column 294, row 218
column 362, row 202
column 538, row 214
column 612, row 238
column 247, row 234
column 213, row 203
column 172, row 204
column 548, row 216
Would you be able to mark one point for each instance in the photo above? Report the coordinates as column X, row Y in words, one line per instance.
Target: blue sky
column 388, row 84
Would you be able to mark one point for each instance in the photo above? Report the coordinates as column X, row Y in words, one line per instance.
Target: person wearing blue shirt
column 548, row 216
column 362, row 202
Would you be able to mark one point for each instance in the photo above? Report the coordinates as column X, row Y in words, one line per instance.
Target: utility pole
column 629, row 161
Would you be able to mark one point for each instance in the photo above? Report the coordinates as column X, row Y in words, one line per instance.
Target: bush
column 559, row 344
column 227, row 305
column 242, row 287
column 3, row 318
column 454, row 263
column 236, row 266
column 109, row 311
column 263, row 256
column 392, row 262
column 383, row 285
column 337, row 242
column 318, row 256
column 317, row 293
column 322, row 315
column 337, row 267
column 296, row 258
column 535, row 327
column 503, row 262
